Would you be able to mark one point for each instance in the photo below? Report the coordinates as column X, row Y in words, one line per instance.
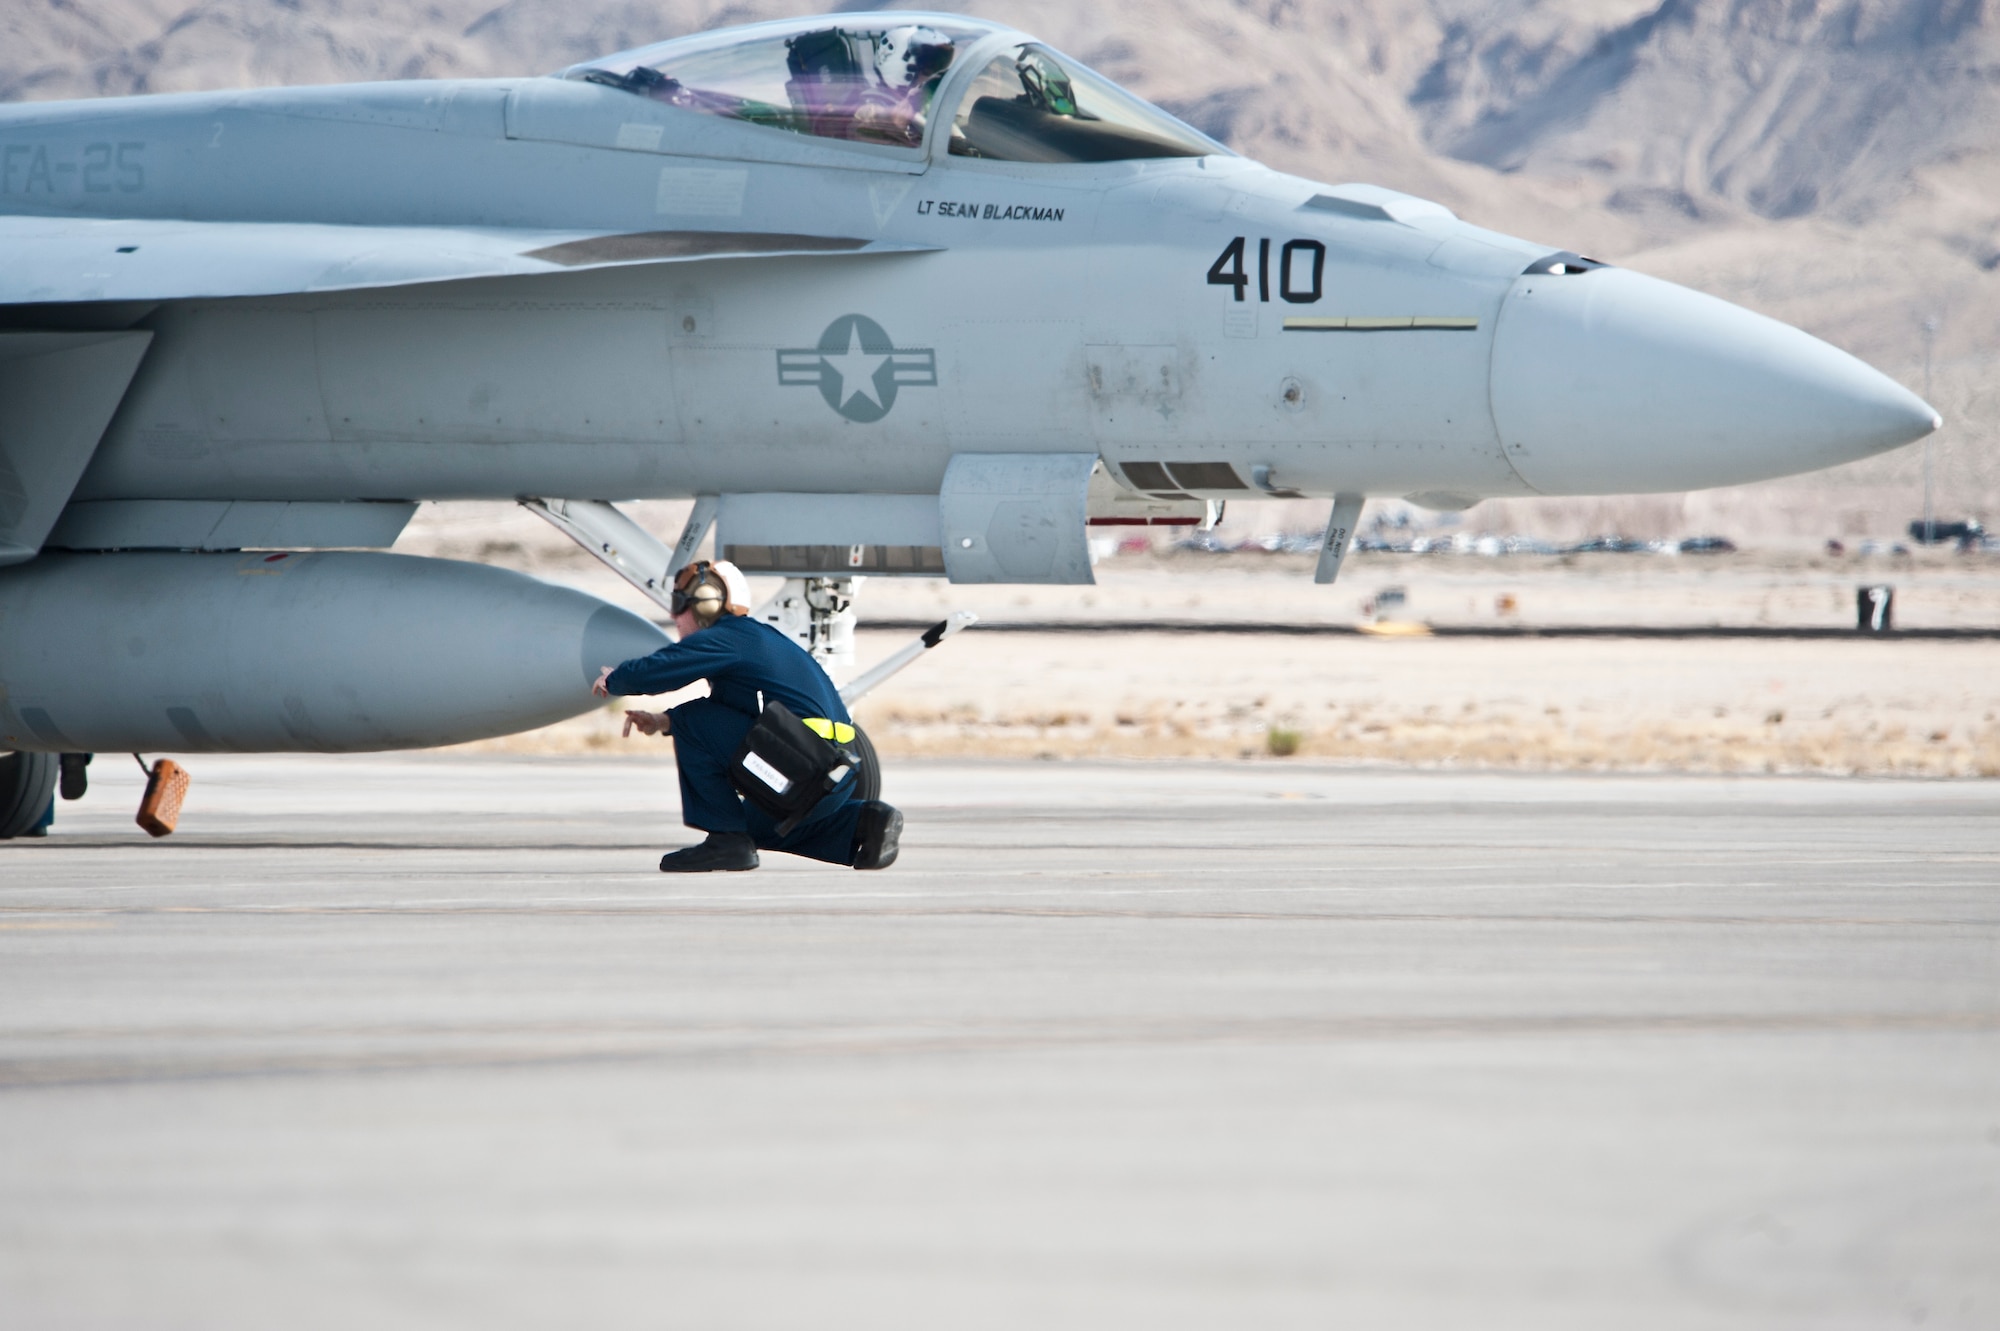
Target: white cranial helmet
column 907, row 56
column 736, row 585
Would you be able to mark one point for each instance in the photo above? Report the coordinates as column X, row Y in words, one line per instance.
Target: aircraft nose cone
column 1609, row 382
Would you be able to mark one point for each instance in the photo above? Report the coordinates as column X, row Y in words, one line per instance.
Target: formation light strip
column 1399, row 324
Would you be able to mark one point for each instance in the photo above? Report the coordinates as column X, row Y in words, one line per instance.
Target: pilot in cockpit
column 833, row 88
column 863, row 85
column 910, row 62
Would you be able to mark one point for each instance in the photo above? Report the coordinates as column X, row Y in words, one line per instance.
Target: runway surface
column 426, row 1042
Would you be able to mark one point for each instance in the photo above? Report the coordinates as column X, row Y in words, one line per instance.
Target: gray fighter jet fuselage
column 919, row 268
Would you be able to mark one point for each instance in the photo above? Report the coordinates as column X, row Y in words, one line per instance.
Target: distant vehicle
column 1943, row 533
column 1706, row 545
column 1386, row 602
column 1608, row 545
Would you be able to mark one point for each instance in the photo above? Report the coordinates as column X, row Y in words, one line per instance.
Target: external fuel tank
column 302, row 652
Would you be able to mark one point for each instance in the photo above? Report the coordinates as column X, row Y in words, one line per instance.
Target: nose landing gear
column 817, row 614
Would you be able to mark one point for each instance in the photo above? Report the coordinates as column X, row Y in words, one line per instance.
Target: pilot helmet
column 710, row 589
column 906, row 57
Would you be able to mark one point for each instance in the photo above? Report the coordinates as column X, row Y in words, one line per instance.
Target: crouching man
column 745, row 664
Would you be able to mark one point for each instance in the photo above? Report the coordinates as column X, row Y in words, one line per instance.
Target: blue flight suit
column 741, row 658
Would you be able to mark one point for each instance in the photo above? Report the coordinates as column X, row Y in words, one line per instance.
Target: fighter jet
column 885, row 294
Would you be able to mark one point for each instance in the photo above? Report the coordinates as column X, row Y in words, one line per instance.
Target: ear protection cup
column 699, row 589
column 711, row 589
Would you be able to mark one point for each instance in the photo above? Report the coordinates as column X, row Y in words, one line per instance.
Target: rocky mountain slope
column 1835, row 163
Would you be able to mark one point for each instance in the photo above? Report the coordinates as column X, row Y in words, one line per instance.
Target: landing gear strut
column 815, row 612
column 818, row 615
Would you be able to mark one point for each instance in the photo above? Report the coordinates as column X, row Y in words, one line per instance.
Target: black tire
column 868, row 777
column 27, row 784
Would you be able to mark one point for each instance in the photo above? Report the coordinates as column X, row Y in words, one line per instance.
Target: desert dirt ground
column 1908, row 708
column 1911, row 706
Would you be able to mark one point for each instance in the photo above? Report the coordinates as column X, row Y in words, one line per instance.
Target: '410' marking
column 1228, row 270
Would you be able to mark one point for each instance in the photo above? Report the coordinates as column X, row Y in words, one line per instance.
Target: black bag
column 785, row 769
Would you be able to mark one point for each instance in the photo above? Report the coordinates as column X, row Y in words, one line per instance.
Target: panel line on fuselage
column 1405, row 323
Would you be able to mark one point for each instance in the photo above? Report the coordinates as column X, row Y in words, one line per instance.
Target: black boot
column 876, row 835
column 724, row 852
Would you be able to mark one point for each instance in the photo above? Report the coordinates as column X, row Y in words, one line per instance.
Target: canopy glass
column 868, row 81
column 872, row 78
column 1031, row 105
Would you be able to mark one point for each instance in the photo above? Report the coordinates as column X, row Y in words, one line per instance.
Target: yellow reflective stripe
column 839, row 732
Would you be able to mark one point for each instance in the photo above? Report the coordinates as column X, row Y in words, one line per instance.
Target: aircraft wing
column 61, row 260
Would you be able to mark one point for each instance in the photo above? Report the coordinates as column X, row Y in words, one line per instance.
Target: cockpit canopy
column 873, row 79
column 1031, row 105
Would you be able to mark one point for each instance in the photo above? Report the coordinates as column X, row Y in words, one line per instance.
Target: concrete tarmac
column 427, row 1042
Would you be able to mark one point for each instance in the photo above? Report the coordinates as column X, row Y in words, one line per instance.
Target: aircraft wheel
column 868, row 777
column 27, row 784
